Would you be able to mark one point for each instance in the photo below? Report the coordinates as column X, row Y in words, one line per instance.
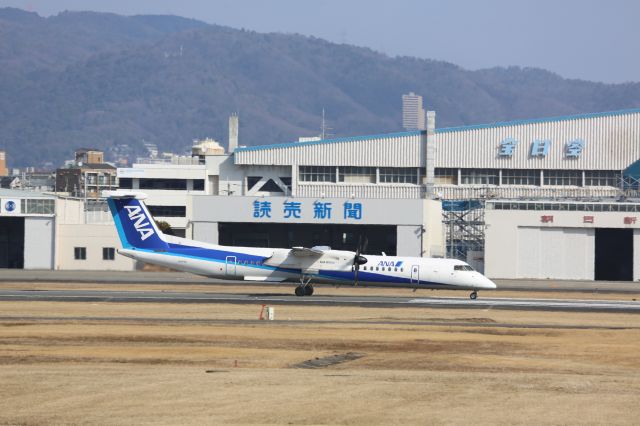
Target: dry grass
column 110, row 363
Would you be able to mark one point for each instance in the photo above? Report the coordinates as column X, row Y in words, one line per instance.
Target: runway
column 578, row 305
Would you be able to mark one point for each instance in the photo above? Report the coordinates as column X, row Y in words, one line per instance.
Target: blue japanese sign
column 507, row 147
column 540, row 147
column 321, row 210
column 574, row 148
column 292, row 209
column 262, row 209
column 352, row 210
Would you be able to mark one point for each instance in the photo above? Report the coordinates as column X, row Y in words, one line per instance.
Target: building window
column 37, row 206
column 287, row 181
column 563, row 177
column 399, row 175
column 479, row 177
column 80, row 253
column 445, row 176
column 173, row 184
column 317, row 174
column 270, row 186
column 602, row 178
column 198, row 184
column 168, row 211
column 521, row 177
column 125, row 183
column 252, row 181
column 108, row 253
column 350, row 174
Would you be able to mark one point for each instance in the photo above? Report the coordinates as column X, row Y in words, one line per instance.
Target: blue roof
column 633, row 171
column 445, row 130
column 327, row 141
column 539, row 120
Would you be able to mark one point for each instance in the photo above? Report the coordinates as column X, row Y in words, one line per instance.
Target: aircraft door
column 415, row 274
column 230, row 266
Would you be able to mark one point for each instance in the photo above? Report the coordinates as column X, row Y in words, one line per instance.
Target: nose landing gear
column 473, row 295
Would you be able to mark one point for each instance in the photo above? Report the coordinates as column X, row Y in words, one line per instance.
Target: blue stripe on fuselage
column 220, row 256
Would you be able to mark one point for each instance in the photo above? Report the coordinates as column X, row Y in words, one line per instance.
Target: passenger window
column 395, row 269
column 389, row 269
column 401, row 269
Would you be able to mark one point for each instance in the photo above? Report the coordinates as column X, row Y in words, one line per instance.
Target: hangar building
column 27, row 229
column 391, row 176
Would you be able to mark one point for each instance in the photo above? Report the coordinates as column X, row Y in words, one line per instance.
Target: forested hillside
column 100, row 80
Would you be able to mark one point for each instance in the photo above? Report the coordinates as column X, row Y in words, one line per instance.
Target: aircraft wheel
column 308, row 290
column 473, row 295
column 300, row 291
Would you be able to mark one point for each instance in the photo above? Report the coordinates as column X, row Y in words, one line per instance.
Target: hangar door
column 555, row 253
column 614, row 254
column 12, row 242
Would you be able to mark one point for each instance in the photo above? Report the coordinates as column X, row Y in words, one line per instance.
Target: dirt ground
column 129, row 363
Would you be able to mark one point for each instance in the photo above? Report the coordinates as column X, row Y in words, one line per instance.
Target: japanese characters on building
column 540, row 147
column 321, row 209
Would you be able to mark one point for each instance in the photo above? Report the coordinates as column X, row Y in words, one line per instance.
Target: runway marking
column 378, row 301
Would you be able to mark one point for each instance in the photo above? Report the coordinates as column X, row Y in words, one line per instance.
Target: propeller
column 358, row 259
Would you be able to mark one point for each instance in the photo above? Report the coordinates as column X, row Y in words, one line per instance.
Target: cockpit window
column 462, row 268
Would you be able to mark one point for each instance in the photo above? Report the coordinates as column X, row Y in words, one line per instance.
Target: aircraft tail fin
column 135, row 225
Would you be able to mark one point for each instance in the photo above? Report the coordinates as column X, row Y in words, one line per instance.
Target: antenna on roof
column 324, row 128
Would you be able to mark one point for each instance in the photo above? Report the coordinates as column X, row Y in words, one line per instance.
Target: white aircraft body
column 142, row 240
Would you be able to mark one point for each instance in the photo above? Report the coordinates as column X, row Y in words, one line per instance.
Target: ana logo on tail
column 139, row 222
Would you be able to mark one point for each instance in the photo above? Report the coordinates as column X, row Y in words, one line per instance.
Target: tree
column 164, row 227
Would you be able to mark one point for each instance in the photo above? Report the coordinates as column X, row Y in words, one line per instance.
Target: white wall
column 206, row 232
column 38, row 242
column 409, row 240
column 433, row 239
column 94, row 237
column 559, row 253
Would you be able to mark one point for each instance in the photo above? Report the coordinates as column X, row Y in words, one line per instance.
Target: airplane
column 142, row 240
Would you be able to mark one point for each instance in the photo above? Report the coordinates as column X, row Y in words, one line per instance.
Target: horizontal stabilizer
column 121, row 194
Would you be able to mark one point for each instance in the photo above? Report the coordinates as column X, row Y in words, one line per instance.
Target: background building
column 87, row 176
column 4, row 171
column 413, row 114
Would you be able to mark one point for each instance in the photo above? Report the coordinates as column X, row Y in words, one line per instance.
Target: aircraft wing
column 306, row 252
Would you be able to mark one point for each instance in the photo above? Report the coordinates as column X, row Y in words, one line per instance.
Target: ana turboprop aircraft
column 142, row 240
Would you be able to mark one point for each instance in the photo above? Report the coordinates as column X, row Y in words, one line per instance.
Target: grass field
column 129, row 363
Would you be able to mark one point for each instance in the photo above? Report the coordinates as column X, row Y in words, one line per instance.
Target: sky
column 585, row 39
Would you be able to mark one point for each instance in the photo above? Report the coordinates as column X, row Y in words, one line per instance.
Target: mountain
column 101, row 80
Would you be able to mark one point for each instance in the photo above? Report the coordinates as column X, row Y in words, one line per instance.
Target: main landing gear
column 473, row 295
column 304, row 289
